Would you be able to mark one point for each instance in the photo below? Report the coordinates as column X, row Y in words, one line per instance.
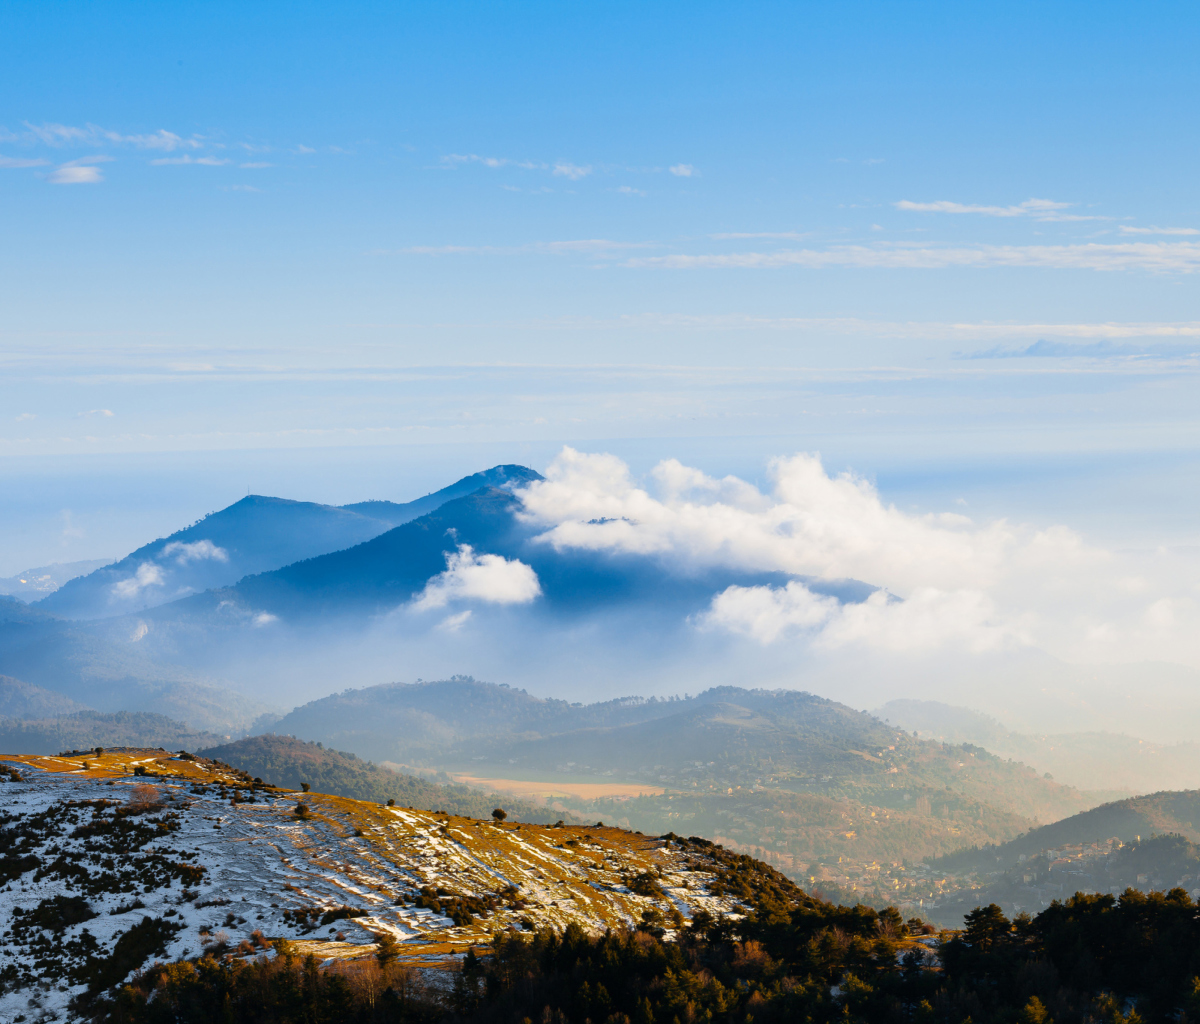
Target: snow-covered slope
column 104, row 871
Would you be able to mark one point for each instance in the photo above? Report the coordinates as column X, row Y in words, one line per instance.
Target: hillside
column 83, row 730
column 288, row 762
column 724, row 738
column 77, row 661
column 198, row 859
column 1100, row 760
column 822, row 792
column 24, row 700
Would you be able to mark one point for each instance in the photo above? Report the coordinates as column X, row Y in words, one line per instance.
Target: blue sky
column 952, row 247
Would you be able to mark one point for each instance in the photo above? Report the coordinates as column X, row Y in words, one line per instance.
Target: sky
column 342, row 251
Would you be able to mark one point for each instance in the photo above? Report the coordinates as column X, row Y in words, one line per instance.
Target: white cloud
column 147, row 575
column 1175, row 257
column 64, row 135
column 1040, row 208
column 78, row 172
column 263, row 619
column 572, row 171
column 196, row 551
column 257, row 165
column 929, row 620
column 25, row 416
column 95, row 412
column 594, row 246
column 683, row 170
column 727, row 235
column 206, row 161
column 471, row 577
column 629, row 190
column 1125, row 229
column 947, row 581
column 18, row 162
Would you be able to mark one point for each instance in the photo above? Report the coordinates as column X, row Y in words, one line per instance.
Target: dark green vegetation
column 289, row 762
column 86, row 729
column 793, row 958
column 1093, row 760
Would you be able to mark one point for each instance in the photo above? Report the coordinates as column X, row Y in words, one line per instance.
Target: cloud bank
column 946, row 582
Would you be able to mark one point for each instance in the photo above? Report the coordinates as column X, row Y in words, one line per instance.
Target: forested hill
column 288, row 762
column 1157, row 814
column 725, row 738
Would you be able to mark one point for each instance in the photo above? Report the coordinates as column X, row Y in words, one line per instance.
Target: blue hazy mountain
column 96, row 669
column 385, row 572
column 251, row 536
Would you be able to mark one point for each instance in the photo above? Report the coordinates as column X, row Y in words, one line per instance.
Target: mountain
column 288, row 762
column 113, row 674
column 506, row 476
column 725, row 737
column 35, row 583
column 254, row 535
column 1101, row 760
column 24, row 700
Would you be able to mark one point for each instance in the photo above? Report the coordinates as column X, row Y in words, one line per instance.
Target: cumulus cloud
column 196, row 551
column 683, row 170
column 473, row 577
column 929, row 620
column 947, row 582
column 148, row 575
column 263, row 619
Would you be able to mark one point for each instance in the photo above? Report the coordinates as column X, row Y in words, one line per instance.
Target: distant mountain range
column 726, row 737
column 251, row 536
column 33, row 584
column 1100, row 760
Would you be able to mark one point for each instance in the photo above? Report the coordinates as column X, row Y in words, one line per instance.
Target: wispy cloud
column 1039, row 209
column 727, row 235
column 572, row 171
column 629, row 190
column 52, row 134
column 95, row 412
column 206, row 161
column 683, row 171
column 19, row 162
column 258, row 165
column 594, row 246
column 1125, row 229
column 1172, row 257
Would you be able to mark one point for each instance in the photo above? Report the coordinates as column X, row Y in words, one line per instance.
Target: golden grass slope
column 269, row 869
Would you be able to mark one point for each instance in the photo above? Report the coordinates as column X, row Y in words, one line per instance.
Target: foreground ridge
column 113, row 861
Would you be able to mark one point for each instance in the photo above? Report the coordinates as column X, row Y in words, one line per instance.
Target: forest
column 1132, row 959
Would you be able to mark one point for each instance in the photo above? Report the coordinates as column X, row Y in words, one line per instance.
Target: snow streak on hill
column 105, row 871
